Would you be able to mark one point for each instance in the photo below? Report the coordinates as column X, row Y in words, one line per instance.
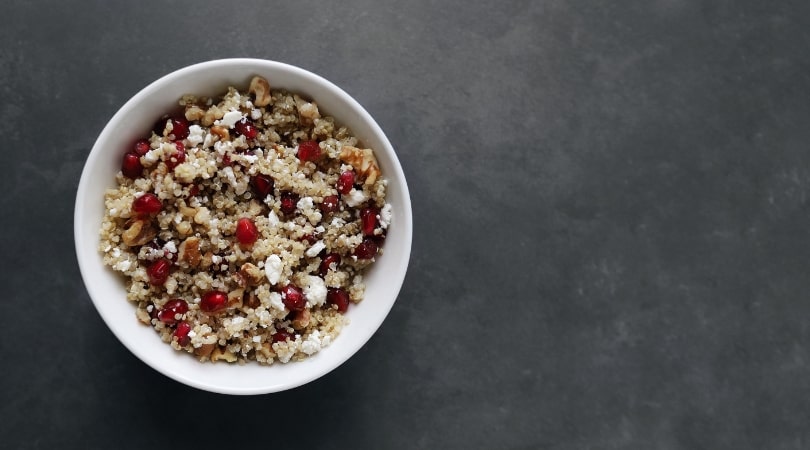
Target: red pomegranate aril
column 193, row 190
column 178, row 157
column 181, row 333
column 131, row 166
column 159, row 271
column 293, row 297
column 345, row 182
column 289, row 202
column 338, row 297
column 179, row 128
column 246, row 231
column 309, row 238
column 368, row 218
column 366, row 250
column 330, row 261
column 171, row 309
column 213, row 301
column 142, row 147
column 309, row 151
column 282, row 336
column 147, row 204
column 246, row 128
column 262, row 185
column 330, row 204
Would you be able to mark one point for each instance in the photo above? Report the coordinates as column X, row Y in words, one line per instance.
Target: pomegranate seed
column 330, row 204
column 179, row 127
column 159, row 271
column 147, row 204
column 181, row 333
column 368, row 218
column 131, row 166
column 345, row 182
column 226, row 159
column 262, row 185
column 293, row 297
column 338, row 297
column 246, row 128
column 142, row 147
column 308, row 151
column 289, row 202
column 246, row 231
column 366, row 250
column 194, row 190
column 153, row 314
column 329, row 262
column 282, row 336
column 213, row 301
column 178, row 157
column 171, row 309
column 309, row 238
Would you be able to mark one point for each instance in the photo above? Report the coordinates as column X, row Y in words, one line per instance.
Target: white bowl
column 107, row 290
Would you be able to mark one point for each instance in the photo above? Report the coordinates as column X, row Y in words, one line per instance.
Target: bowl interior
column 106, row 288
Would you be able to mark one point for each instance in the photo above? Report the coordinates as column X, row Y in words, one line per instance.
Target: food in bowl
column 244, row 224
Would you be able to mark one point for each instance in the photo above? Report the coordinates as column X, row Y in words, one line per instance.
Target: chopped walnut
column 248, row 275
column 189, row 251
column 204, row 351
column 222, row 354
column 363, row 161
column 260, row 89
column 222, row 132
column 139, row 232
column 301, row 319
column 235, row 298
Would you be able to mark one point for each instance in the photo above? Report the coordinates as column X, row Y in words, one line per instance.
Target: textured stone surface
column 611, row 224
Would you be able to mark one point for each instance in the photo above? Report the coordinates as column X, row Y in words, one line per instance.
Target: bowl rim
column 85, row 266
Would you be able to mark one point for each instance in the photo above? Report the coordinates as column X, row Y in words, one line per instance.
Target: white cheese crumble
column 122, row 266
column 171, row 247
column 315, row 290
column 276, row 302
column 385, row 216
column 230, row 118
column 315, row 249
column 256, row 114
column 355, row 198
column 273, row 269
column 195, row 135
column 272, row 218
column 312, row 344
column 305, row 203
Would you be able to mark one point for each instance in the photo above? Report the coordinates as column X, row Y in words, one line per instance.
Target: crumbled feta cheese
column 315, row 290
column 312, row 344
column 122, row 266
column 171, row 247
column 116, row 252
column 256, row 114
column 355, row 198
column 385, row 216
column 315, row 249
column 151, row 157
column 273, row 268
column 195, row 135
column 257, row 339
column 230, row 118
column 272, row 218
column 320, row 229
column 305, row 203
column 276, row 302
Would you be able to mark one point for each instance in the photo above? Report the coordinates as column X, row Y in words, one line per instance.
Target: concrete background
column 611, row 238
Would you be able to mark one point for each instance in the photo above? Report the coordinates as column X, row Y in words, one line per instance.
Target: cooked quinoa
column 243, row 225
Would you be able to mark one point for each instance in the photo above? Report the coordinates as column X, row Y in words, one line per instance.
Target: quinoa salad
column 243, row 225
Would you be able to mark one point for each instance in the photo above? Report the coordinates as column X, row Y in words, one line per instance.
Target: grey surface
column 610, row 208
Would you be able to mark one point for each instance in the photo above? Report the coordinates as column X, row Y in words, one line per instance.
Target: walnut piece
column 139, row 232
column 222, row 132
column 301, row 319
column 260, row 88
column 189, row 251
column 363, row 161
column 248, row 275
column 222, row 354
column 204, row 350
